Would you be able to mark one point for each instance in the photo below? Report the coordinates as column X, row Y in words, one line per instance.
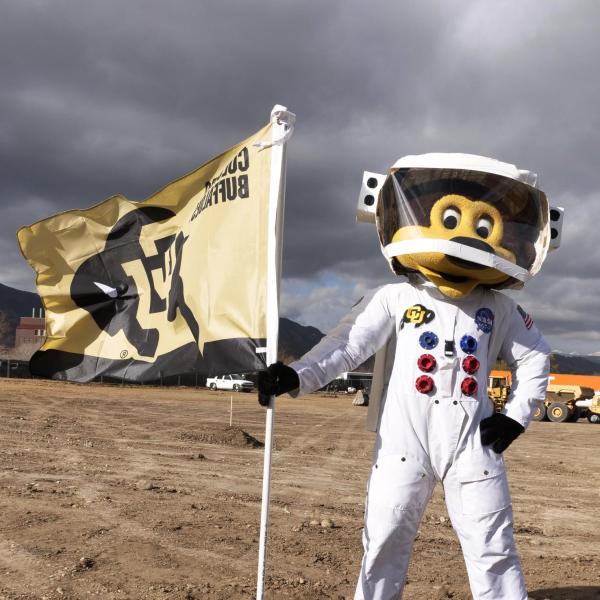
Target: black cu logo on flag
column 102, row 287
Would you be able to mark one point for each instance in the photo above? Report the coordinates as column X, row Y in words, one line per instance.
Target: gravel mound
column 224, row 436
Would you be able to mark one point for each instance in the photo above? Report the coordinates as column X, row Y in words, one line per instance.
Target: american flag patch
column 526, row 318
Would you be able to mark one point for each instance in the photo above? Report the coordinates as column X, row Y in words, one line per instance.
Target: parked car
column 234, row 382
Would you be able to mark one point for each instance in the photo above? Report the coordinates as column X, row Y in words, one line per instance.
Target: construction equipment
column 498, row 390
column 564, row 402
column 561, row 403
column 591, row 408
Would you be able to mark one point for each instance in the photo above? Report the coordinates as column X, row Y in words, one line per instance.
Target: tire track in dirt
column 135, row 532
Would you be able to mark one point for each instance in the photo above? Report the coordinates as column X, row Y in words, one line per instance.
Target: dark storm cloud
column 108, row 97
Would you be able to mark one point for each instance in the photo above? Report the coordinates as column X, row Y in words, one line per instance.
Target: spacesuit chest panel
column 442, row 345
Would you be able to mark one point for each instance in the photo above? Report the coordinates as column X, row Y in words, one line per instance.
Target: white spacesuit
column 457, row 226
column 424, row 437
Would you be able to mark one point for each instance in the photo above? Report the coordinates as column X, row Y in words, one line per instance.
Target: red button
column 424, row 384
column 426, row 363
column 470, row 364
column 469, row 386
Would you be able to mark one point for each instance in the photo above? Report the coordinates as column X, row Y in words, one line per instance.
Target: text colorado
column 228, row 185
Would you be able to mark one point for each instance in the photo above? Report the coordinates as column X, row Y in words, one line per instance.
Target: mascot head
column 460, row 221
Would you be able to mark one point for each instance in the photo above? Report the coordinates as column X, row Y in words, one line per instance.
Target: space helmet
column 461, row 220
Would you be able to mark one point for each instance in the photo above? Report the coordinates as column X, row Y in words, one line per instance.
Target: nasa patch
column 484, row 319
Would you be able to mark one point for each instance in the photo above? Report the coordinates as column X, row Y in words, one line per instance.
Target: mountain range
column 575, row 363
column 294, row 339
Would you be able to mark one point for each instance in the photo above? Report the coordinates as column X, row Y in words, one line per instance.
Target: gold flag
column 174, row 284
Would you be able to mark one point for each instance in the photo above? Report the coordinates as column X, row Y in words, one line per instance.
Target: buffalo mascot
column 457, row 228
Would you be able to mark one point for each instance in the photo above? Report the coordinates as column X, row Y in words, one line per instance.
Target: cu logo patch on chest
column 484, row 319
column 417, row 315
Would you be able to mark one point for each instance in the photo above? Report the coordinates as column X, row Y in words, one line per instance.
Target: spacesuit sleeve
column 356, row 337
column 527, row 354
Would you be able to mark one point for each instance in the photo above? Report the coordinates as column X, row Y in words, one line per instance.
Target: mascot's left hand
column 500, row 431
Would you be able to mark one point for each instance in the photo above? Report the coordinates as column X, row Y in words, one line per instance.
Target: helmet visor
column 484, row 218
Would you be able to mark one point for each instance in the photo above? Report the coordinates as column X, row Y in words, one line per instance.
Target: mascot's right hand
column 276, row 380
column 499, row 432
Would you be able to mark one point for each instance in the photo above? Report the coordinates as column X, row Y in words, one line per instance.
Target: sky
column 104, row 97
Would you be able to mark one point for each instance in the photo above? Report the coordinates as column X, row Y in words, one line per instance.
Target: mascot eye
column 451, row 218
column 484, row 227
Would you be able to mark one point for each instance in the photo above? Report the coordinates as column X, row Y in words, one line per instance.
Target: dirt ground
column 147, row 493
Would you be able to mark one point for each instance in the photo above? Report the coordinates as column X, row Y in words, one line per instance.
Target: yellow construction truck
column 566, row 398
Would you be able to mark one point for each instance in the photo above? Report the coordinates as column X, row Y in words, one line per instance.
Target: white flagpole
column 283, row 125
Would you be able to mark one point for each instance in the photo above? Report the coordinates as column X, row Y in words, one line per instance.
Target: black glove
column 500, row 431
column 276, row 380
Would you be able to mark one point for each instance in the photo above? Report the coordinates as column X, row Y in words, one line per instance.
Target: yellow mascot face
column 473, row 223
column 438, row 222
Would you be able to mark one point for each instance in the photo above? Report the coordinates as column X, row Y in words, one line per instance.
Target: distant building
column 351, row 381
column 358, row 379
column 30, row 330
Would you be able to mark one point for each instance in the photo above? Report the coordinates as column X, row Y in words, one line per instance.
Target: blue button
column 468, row 344
column 428, row 340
